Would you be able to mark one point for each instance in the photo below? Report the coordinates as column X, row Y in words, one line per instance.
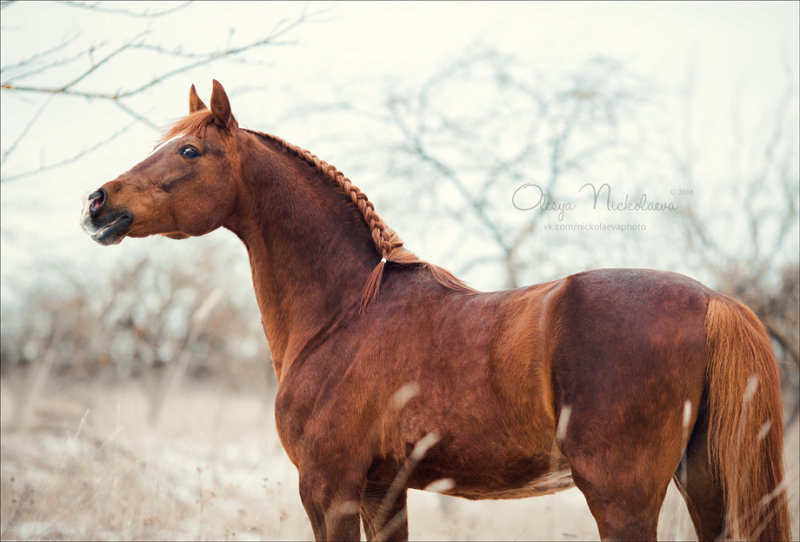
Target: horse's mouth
column 110, row 233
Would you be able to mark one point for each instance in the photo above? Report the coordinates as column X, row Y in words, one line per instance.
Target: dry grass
column 88, row 465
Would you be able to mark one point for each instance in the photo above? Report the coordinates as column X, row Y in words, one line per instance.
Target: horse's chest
column 291, row 417
column 313, row 428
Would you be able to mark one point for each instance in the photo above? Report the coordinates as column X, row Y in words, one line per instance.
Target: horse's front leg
column 332, row 504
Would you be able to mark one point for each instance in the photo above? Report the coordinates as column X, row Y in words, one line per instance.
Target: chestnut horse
column 393, row 374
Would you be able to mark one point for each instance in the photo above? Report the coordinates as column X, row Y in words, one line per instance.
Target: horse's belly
column 513, row 480
column 543, row 485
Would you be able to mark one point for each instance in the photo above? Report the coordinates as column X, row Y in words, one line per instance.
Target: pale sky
column 737, row 52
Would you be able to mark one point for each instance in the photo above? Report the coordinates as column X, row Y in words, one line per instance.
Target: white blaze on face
column 164, row 143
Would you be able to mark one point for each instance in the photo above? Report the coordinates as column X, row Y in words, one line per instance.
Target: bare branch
column 43, row 61
column 74, row 158
column 67, row 89
column 25, row 130
column 41, row 69
column 103, row 7
column 41, row 54
column 203, row 61
column 420, row 151
column 102, row 61
column 137, row 116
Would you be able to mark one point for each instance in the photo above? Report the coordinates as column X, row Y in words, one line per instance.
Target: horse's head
column 186, row 186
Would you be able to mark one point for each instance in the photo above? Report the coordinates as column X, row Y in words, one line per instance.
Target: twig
column 67, row 89
column 17, row 83
column 41, row 69
column 71, row 159
column 25, row 130
column 36, row 56
column 104, row 60
column 137, row 117
column 419, row 150
column 102, row 7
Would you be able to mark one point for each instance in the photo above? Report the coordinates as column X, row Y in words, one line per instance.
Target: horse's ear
column 221, row 107
column 195, row 103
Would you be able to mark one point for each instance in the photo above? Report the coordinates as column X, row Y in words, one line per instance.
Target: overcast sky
column 736, row 52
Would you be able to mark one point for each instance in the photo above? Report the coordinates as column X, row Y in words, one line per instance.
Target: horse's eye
column 189, row 152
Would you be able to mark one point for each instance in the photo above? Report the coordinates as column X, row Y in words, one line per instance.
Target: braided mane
column 387, row 242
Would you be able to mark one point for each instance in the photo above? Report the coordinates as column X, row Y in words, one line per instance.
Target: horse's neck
column 310, row 253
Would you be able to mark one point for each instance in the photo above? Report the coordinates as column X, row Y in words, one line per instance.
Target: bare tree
column 73, row 69
column 466, row 156
column 749, row 241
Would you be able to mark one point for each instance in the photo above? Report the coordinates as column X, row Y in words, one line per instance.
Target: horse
column 394, row 374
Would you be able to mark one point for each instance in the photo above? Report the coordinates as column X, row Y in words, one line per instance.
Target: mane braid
column 387, row 242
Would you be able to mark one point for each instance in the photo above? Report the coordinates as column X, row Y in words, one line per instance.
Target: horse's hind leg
column 622, row 509
column 383, row 512
column 623, row 474
column 701, row 491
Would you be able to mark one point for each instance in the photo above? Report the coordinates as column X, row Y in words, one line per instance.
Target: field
column 85, row 462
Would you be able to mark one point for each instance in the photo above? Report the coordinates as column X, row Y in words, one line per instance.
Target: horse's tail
column 745, row 443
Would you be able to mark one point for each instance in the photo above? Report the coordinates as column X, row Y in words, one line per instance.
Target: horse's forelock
column 194, row 123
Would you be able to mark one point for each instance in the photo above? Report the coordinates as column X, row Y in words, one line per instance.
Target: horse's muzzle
column 104, row 226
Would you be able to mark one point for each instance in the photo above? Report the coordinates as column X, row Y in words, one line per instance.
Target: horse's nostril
column 96, row 199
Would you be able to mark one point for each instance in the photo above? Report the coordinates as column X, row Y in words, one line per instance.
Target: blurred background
column 503, row 141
